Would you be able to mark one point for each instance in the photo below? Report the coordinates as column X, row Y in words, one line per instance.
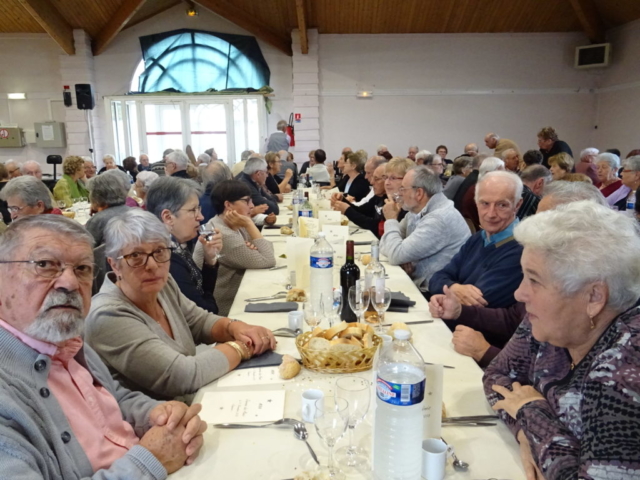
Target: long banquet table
column 275, row 454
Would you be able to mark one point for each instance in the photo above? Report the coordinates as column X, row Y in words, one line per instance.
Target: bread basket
column 331, row 361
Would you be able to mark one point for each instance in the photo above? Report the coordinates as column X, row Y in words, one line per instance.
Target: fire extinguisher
column 290, row 132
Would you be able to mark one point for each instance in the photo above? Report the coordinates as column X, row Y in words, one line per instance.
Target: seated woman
column 108, row 198
column 146, row 331
column 567, row 384
column 144, row 180
column 243, row 247
column 353, row 182
column 273, row 168
column 176, row 202
column 318, row 170
column 610, row 185
column 109, row 164
column 560, row 165
column 69, row 187
column 461, row 170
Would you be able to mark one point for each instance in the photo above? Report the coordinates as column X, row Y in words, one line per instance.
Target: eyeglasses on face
column 14, row 209
column 402, row 189
column 197, row 210
column 246, row 200
column 53, row 268
column 392, row 178
column 140, row 259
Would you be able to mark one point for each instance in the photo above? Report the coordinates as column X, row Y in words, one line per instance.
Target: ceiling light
column 16, row 96
column 365, row 94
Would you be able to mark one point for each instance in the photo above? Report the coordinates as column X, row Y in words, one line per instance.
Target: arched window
column 191, row 61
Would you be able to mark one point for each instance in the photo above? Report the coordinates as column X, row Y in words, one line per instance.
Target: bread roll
column 289, row 367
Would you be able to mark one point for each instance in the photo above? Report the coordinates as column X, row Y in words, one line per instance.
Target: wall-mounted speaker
column 84, row 96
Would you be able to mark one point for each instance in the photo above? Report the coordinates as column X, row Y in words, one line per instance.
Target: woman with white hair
column 108, row 197
column 110, row 164
column 144, row 328
column 568, row 382
column 144, row 180
column 610, row 185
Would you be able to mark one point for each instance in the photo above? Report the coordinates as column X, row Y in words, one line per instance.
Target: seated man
column 369, row 215
column 27, row 195
column 486, row 271
column 534, row 178
column 432, row 232
column 32, row 168
column 254, row 176
column 61, row 414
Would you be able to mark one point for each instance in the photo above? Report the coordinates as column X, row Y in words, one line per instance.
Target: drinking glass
column 332, row 416
column 358, row 301
column 312, row 314
column 357, row 392
column 208, row 231
column 333, row 306
column 380, row 300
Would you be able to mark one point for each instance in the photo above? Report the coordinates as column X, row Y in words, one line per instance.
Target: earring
column 592, row 324
column 119, row 277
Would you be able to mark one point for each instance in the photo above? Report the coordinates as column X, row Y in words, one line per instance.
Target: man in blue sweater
column 486, row 271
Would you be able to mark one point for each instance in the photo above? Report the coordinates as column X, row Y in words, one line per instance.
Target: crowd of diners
column 530, row 258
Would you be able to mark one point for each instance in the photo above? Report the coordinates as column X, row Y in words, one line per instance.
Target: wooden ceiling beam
column 53, row 23
column 116, row 23
column 302, row 27
column 590, row 20
column 238, row 16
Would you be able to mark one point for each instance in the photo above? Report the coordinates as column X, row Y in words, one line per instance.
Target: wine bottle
column 349, row 273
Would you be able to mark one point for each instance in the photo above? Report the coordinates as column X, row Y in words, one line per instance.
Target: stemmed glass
column 357, row 392
column 380, row 300
column 312, row 314
column 358, row 300
column 332, row 310
column 332, row 416
column 208, row 231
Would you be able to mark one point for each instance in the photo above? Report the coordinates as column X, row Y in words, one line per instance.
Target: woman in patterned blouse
column 568, row 382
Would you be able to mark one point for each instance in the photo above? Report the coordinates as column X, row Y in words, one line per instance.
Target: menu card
column 243, row 407
column 251, row 376
column 432, row 407
column 329, row 218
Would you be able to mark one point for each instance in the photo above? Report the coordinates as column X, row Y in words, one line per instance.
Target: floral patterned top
column 589, row 427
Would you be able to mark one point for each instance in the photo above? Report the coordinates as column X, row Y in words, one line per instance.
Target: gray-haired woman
column 175, row 201
column 108, row 196
column 144, row 180
column 568, row 382
column 146, row 330
column 610, row 185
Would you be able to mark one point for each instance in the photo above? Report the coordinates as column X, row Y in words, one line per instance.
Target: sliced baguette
column 335, row 330
column 353, row 332
column 317, row 343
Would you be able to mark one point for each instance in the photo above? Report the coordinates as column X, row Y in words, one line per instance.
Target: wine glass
column 380, row 300
column 312, row 314
column 332, row 416
column 358, row 300
column 357, row 392
column 336, row 306
column 208, row 231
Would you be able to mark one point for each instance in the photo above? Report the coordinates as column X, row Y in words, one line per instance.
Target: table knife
column 410, row 323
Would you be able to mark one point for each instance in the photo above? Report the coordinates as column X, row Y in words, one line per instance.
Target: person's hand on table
column 469, row 295
column 349, row 198
column 257, row 209
column 340, row 206
column 211, row 247
column 184, row 428
column 531, row 470
column 446, row 307
column 515, row 398
column 259, row 338
column 336, row 197
column 270, row 219
column 469, row 342
column 391, row 210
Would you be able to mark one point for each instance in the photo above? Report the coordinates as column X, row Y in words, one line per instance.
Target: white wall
column 114, row 68
column 618, row 115
column 451, row 89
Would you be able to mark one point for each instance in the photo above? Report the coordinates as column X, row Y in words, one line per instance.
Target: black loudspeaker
column 54, row 160
column 84, row 96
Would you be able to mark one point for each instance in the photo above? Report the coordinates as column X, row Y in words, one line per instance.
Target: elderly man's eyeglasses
column 140, row 259
column 54, row 268
column 392, row 178
column 14, row 209
column 402, row 189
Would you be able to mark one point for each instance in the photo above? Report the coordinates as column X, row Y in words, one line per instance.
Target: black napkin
column 399, row 299
column 271, row 307
column 267, row 359
column 398, row 309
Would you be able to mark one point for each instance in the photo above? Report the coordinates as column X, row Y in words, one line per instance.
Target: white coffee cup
column 309, row 399
column 434, row 458
column 296, row 320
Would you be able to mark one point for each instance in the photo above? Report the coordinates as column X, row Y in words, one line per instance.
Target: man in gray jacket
column 62, row 416
column 432, row 232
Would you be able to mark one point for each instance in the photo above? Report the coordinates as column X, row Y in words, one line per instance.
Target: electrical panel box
column 11, row 137
column 50, row 135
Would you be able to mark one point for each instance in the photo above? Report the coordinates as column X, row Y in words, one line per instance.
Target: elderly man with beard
column 61, row 414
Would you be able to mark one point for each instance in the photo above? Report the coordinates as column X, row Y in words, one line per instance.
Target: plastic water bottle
column 400, row 386
column 306, row 209
column 631, row 204
column 321, row 277
column 296, row 202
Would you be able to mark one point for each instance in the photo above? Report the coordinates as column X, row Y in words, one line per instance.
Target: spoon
column 458, row 464
column 300, row 431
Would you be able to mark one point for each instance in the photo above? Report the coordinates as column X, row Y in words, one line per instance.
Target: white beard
column 55, row 326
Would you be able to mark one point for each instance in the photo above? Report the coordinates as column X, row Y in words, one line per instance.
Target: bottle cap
column 386, row 338
column 321, row 234
column 401, row 334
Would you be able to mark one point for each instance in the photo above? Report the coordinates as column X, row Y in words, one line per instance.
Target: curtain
column 191, row 61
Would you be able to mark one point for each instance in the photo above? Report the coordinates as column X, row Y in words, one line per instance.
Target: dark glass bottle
column 349, row 273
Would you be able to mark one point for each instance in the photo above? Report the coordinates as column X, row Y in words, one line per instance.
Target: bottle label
column 321, row 262
column 306, row 213
column 400, row 394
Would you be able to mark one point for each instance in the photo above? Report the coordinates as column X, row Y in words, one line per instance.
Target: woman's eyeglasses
column 140, row 259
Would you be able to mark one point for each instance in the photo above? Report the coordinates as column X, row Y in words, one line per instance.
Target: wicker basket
column 328, row 361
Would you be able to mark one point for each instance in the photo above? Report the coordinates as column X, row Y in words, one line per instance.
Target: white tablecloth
column 275, row 454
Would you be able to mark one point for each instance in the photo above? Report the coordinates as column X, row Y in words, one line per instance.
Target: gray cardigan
column 428, row 239
column 33, row 427
column 141, row 355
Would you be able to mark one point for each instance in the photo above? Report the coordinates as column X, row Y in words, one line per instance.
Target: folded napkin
column 274, row 226
column 267, row 359
column 398, row 309
column 271, row 307
column 399, row 299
